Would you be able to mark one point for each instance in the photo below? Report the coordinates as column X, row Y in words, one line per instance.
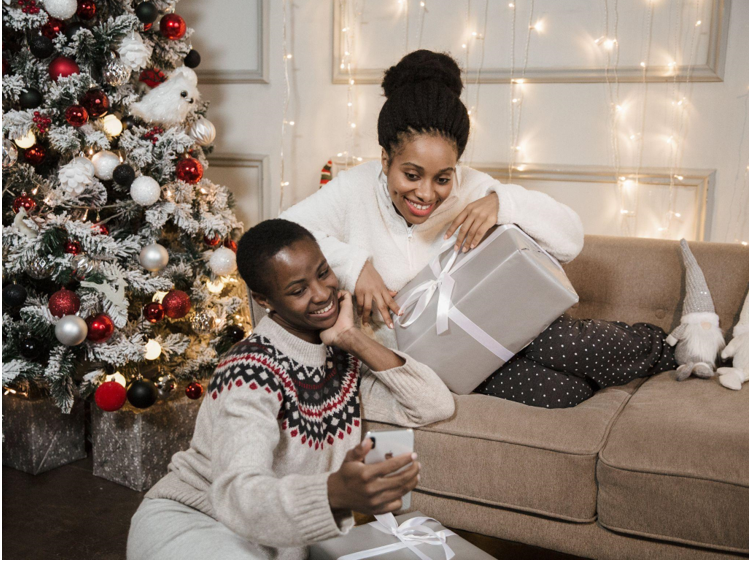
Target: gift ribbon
column 409, row 536
column 443, row 284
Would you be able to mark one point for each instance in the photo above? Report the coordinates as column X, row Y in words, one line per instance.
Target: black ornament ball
column 30, row 348
column 142, row 394
column 30, row 98
column 14, row 295
column 72, row 29
column 41, row 46
column 146, row 12
column 123, row 175
column 128, row 122
column 192, row 59
column 235, row 333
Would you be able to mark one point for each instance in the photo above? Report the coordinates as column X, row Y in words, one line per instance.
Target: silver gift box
column 365, row 537
column 509, row 290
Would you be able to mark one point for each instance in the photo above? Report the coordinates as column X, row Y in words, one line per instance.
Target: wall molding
column 261, row 162
column 709, row 70
column 257, row 75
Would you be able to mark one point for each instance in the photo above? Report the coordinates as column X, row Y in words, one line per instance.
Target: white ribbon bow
column 443, row 284
column 409, row 536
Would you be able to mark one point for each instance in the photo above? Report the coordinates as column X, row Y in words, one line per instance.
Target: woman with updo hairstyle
column 381, row 222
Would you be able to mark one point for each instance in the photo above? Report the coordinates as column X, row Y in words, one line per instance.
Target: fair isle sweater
column 278, row 418
column 354, row 220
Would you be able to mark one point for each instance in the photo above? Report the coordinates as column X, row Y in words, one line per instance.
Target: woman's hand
column 475, row 220
column 374, row 488
column 371, row 290
column 344, row 322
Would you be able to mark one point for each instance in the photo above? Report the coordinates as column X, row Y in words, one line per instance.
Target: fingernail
column 466, row 249
column 390, row 325
column 472, row 246
column 419, row 477
column 414, row 456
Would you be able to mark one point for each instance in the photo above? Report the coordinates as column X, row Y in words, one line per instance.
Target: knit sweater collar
column 292, row 346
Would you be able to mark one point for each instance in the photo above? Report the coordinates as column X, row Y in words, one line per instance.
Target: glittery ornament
column 203, row 322
column 86, row 9
column 52, row 28
column 38, row 270
column 145, row 190
column 172, row 26
column 153, row 312
column 203, row 131
column 35, row 155
column 165, row 385
column 230, row 244
column 189, row 170
column 30, row 348
column 115, row 71
column 61, row 9
column 10, row 153
column 105, row 163
column 62, row 67
column 194, row 390
column 96, row 103
column 71, row 330
column 176, row 304
column 154, row 257
column 134, row 53
column 124, row 175
column 76, row 115
column 142, row 394
column 64, row 303
column 101, row 327
column 14, row 296
column 23, row 201
column 41, row 46
column 152, row 77
column 212, row 241
column 110, row 396
column 223, row 261
column 73, row 247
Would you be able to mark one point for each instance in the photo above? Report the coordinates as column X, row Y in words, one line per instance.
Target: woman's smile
column 419, row 209
column 328, row 311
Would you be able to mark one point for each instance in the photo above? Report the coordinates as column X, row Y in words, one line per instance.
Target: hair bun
column 423, row 66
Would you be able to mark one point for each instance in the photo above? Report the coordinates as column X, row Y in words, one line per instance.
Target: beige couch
column 653, row 469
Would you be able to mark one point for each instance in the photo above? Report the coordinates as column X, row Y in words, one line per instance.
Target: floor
column 67, row 513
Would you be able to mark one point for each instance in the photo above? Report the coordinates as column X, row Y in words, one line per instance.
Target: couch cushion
column 502, row 453
column 675, row 466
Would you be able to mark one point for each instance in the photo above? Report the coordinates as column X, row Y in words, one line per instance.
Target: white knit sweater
column 353, row 219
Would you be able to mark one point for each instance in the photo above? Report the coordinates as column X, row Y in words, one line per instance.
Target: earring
column 268, row 310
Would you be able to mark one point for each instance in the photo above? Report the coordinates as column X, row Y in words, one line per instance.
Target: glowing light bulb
column 519, row 80
column 679, row 177
column 619, row 108
column 744, row 243
column 111, row 125
column 158, row 296
column 463, row 45
column 697, row 23
column 514, row 100
column 339, row 154
column 354, row 125
column 511, row 5
column 153, row 349
column 421, row 4
column 670, row 140
column 284, row 183
column 610, row 43
column 678, row 215
column 214, row 287
column 643, row 64
column 117, row 377
column 351, row 82
column 538, row 26
column 349, row 104
column 473, row 33
column 346, row 53
column 521, row 167
column 622, row 178
column 345, row 29
column 26, row 141
column 289, row 56
column 341, row 66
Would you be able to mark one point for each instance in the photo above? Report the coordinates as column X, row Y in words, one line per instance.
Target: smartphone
column 389, row 443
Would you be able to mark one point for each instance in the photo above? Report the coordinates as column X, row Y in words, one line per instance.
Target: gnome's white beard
column 702, row 344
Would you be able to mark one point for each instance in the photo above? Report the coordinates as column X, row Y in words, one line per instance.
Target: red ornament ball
column 35, row 155
column 86, row 9
column 176, row 304
column 62, row 67
column 153, row 312
column 52, row 28
column 212, row 242
column 64, row 303
column 189, row 170
column 96, row 103
column 152, row 77
column 194, row 390
column 110, row 396
column 23, row 201
column 230, row 244
column 76, row 115
column 101, row 328
column 172, row 26
column 73, row 247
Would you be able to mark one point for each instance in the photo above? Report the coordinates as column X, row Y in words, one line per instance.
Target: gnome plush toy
column 170, row 102
column 733, row 377
column 698, row 337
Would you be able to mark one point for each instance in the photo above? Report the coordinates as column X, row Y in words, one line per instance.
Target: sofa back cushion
column 642, row 280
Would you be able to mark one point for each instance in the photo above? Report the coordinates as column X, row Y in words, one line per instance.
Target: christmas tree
column 118, row 255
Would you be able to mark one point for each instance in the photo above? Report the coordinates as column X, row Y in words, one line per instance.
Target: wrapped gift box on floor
column 409, row 536
column 133, row 447
column 467, row 314
column 38, row 437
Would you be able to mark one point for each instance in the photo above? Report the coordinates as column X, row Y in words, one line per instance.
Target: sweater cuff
column 406, row 378
column 357, row 261
column 506, row 212
column 311, row 511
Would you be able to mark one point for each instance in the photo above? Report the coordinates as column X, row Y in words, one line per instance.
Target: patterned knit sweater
column 278, row 418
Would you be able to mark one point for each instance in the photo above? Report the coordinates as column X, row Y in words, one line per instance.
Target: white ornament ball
column 105, row 163
column 203, row 131
column 223, row 261
column 145, row 190
column 61, row 9
column 71, row 330
column 154, row 257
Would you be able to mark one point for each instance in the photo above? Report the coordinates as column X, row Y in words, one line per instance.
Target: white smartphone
column 389, row 443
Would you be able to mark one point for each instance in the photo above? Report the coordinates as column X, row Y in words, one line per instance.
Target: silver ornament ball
column 203, row 322
column 202, row 131
column 71, row 330
column 38, row 269
column 145, row 190
column 165, row 385
column 115, row 71
column 154, row 257
column 223, row 261
column 105, row 163
column 10, row 153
